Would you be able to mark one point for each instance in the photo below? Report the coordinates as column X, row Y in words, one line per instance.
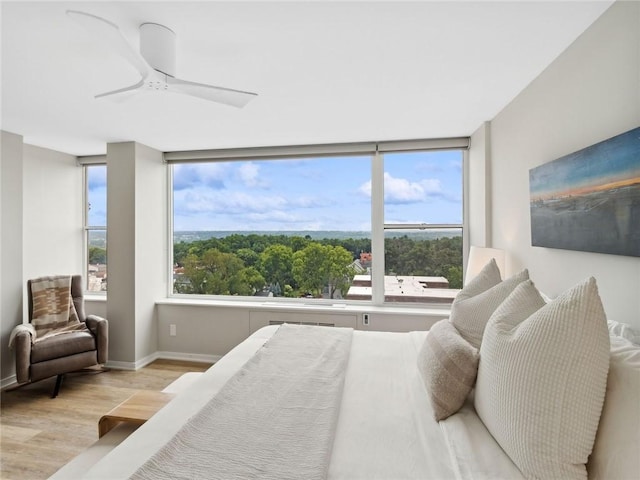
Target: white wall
column 121, row 241
column 206, row 332
column 137, row 250
column 94, row 305
column 41, row 226
column 590, row 93
column 11, row 174
column 151, row 245
column 52, row 212
column 479, row 205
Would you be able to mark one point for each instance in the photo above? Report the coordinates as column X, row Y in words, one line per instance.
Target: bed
column 384, row 425
column 385, row 428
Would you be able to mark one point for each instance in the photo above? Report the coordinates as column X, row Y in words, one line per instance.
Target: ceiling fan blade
column 227, row 96
column 112, row 37
column 120, row 94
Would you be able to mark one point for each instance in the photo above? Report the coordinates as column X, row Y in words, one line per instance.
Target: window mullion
column 421, row 226
column 377, row 229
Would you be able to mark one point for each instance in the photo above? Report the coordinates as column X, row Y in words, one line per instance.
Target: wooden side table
column 136, row 409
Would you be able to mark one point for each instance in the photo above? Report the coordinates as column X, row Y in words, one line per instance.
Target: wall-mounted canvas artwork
column 590, row 200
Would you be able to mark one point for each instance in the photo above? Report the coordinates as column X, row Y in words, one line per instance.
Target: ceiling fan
column 156, row 61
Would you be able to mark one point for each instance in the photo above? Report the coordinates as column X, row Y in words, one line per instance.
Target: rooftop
column 405, row 288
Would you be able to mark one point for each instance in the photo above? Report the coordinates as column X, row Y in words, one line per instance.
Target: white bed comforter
column 385, row 427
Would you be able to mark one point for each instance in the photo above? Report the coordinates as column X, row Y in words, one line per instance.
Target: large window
column 290, row 228
column 95, row 227
column 423, row 226
column 372, row 225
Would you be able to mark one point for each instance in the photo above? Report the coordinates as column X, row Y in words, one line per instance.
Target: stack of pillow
column 539, row 369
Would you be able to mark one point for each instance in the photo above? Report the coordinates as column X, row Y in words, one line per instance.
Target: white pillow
column 542, row 379
column 470, row 313
column 488, row 277
column 616, row 452
column 619, row 329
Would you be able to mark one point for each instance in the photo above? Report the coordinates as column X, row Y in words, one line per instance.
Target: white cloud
column 249, row 175
column 431, row 186
column 401, row 190
column 278, row 216
column 187, row 176
column 365, row 189
column 200, row 200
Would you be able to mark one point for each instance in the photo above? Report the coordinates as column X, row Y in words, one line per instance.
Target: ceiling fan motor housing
column 158, row 47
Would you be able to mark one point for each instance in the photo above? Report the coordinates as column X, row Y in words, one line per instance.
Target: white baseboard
column 143, row 362
column 138, row 364
column 189, row 357
column 8, row 382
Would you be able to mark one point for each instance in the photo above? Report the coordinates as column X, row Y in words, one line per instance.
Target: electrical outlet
column 365, row 319
column 172, row 330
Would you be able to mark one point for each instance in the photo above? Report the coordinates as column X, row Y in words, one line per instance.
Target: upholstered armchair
column 64, row 353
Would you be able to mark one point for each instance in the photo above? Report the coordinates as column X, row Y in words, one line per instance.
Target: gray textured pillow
column 448, row 365
column 542, row 379
column 470, row 313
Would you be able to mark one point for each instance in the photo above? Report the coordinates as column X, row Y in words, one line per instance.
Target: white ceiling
column 325, row 72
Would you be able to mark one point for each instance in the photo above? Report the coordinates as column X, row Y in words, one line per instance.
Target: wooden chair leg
column 56, row 389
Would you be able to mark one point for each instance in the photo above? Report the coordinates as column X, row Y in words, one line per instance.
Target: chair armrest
column 92, row 322
column 100, row 328
column 22, row 347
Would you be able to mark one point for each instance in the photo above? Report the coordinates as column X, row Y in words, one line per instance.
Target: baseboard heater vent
column 320, row 324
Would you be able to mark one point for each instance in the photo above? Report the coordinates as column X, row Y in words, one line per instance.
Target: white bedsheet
column 385, row 427
column 475, row 454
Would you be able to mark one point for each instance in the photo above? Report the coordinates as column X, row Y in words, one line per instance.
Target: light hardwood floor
column 38, row 434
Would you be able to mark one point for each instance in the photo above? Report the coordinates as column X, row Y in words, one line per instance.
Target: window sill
column 427, row 310
column 93, row 297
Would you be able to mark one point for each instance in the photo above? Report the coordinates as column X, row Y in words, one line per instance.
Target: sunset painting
column 589, row 200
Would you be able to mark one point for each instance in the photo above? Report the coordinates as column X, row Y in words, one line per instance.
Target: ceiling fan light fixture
column 158, row 47
column 155, row 60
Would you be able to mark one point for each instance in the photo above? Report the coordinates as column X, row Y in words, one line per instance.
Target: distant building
column 97, row 278
column 405, row 288
column 357, row 267
column 365, row 258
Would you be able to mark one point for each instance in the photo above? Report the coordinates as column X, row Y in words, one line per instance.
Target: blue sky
column 307, row 194
column 97, row 186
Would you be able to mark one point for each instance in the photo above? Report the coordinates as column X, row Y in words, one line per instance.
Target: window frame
column 86, row 163
column 376, row 151
column 378, row 294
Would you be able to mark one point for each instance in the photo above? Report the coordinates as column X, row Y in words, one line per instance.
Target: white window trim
column 324, row 150
column 373, row 149
column 85, row 162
